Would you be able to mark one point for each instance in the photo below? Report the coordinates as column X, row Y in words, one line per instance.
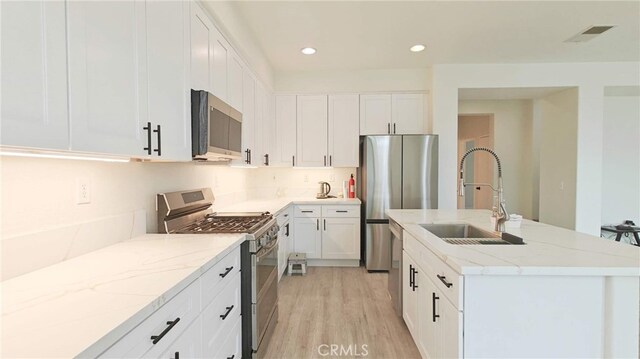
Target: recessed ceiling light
column 417, row 48
column 308, row 50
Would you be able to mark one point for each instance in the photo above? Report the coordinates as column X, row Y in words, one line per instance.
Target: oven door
column 264, row 293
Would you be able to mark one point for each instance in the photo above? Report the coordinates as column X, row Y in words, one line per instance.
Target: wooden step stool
column 297, row 264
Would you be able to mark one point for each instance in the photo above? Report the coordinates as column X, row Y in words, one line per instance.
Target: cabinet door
column 285, row 120
column 168, row 77
column 312, row 131
column 344, row 130
column 248, row 120
column 308, row 237
column 107, row 77
column 34, row 75
column 268, row 129
column 428, row 325
column 201, row 54
column 234, row 80
column 375, row 114
column 408, row 114
column 409, row 296
column 220, row 49
column 449, row 334
column 340, row 238
column 188, row 345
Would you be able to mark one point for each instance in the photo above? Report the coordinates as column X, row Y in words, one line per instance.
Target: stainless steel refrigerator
column 396, row 171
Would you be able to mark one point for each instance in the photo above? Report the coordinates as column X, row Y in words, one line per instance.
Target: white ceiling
column 378, row 34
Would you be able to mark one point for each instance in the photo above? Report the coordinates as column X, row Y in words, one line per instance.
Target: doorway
column 476, row 130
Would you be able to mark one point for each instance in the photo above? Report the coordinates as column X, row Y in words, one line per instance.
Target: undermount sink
column 462, row 233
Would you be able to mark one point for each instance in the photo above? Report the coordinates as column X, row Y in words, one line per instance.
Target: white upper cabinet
column 34, row 75
column 107, row 77
column 220, row 48
column 312, row 131
column 249, row 152
column 408, row 114
column 285, row 135
column 168, row 77
column 234, row 80
column 375, row 114
column 343, row 130
column 201, row 54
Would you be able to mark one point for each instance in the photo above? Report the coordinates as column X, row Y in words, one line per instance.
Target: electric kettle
column 325, row 188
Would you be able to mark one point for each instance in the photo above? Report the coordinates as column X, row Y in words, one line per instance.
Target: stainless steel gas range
column 191, row 212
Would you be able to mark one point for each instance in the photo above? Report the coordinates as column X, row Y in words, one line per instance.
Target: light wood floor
column 343, row 306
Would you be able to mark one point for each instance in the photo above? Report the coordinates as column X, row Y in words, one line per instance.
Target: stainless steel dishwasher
column 395, row 273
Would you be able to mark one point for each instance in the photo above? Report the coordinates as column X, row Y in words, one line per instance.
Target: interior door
column 483, row 173
column 34, row 74
column 312, row 133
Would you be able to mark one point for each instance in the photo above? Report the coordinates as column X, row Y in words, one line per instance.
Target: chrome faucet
column 500, row 212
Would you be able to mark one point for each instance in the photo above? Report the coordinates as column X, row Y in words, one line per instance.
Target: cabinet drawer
column 231, row 346
column 446, row 279
column 307, row 211
column 284, row 216
column 219, row 275
column 181, row 310
column 219, row 317
column 341, row 211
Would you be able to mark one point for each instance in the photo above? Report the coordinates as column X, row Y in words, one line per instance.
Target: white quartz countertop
column 82, row 306
column 549, row 250
column 278, row 204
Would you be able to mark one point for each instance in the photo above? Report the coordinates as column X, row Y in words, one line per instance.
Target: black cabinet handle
column 443, row 279
column 317, row 224
column 266, row 159
column 176, row 355
column 414, row 279
column 287, row 227
column 394, row 128
column 433, row 306
column 325, row 225
column 330, row 160
column 148, row 129
column 306, row 211
column 226, row 271
column 293, row 160
column 388, row 128
column 341, row 211
column 224, row 316
column 231, row 357
column 325, row 160
column 171, row 324
column 159, row 149
column 410, row 276
column 248, row 160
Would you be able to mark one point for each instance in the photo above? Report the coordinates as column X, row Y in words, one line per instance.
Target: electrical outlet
column 306, row 178
column 562, row 185
column 83, row 188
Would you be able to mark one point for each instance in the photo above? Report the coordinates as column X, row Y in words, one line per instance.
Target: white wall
column 590, row 78
column 621, row 159
column 558, row 117
column 352, row 81
column 512, row 142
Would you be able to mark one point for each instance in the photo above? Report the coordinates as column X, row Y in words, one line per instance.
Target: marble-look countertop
column 82, row 306
column 549, row 250
column 275, row 205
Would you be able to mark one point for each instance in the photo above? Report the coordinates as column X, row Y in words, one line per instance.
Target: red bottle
column 352, row 187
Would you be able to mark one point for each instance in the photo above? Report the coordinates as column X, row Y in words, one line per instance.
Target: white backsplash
column 41, row 224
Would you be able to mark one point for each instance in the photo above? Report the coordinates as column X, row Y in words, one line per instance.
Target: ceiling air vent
column 589, row 33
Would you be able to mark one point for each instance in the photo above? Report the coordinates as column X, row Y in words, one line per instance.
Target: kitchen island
column 561, row 294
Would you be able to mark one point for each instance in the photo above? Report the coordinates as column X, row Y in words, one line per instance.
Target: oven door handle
column 266, row 250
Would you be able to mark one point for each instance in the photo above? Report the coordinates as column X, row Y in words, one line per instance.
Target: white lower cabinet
column 285, row 246
column 202, row 321
column 409, row 296
column 329, row 232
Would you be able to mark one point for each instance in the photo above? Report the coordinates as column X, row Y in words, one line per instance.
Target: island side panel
column 622, row 317
column 533, row 316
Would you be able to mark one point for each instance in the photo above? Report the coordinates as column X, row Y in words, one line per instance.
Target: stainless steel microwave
column 216, row 128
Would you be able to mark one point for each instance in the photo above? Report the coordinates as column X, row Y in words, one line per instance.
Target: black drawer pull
column 148, row 129
column 443, row 279
column 171, row 324
column 410, row 276
column 226, row 271
column 176, row 355
column 414, row 279
column 341, row 211
column 231, row 357
column 224, row 316
column 433, row 306
column 306, row 211
column 159, row 149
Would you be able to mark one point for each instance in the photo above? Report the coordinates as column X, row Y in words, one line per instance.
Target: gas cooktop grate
column 227, row 224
